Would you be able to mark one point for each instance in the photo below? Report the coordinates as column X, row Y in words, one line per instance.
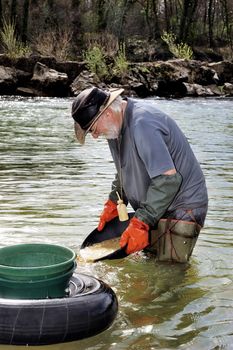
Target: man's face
column 105, row 126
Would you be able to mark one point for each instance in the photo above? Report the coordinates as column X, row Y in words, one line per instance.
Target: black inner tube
column 89, row 309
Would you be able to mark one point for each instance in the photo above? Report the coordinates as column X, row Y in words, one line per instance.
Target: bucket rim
column 36, row 268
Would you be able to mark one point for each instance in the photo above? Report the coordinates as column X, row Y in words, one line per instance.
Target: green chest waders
column 173, row 240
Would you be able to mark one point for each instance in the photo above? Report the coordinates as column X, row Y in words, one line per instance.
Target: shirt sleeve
column 152, row 149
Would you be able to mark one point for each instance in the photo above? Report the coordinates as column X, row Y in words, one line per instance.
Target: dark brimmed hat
column 89, row 106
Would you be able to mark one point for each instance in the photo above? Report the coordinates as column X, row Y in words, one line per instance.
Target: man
column 157, row 172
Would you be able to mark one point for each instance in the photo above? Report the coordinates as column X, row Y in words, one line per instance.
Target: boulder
column 206, row 55
column 204, row 75
column 8, row 80
column 71, row 68
column 50, row 81
column 29, row 92
column 85, row 80
column 139, row 50
column 44, row 76
column 224, row 70
column 171, row 71
column 201, row 91
column 228, row 89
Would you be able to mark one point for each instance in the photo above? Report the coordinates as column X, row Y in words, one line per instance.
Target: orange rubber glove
column 136, row 236
column 109, row 213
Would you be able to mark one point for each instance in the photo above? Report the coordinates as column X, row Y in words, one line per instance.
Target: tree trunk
column 13, row 11
column 156, row 33
column 166, row 15
column 227, row 22
column 25, row 20
column 77, row 34
column 102, row 24
column 1, row 14
column 125, row 9
column 210, row 23
column 187, row 18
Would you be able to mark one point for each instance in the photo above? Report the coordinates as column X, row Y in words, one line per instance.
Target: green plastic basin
column 55, row 287
column 32, row 262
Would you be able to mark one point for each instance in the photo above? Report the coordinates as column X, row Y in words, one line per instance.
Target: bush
column 54, row 43
column 95, row 60
column 181, row 50
column 12, row 46
column 120, row 62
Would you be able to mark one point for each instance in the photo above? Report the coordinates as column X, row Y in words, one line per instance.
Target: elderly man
column 157, row 172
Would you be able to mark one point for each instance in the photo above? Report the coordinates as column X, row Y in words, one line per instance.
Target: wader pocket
column 174, row 240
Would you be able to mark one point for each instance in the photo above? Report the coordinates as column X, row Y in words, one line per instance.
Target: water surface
column 52, row 190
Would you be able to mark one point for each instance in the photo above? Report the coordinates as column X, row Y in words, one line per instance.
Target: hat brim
column 79, row 132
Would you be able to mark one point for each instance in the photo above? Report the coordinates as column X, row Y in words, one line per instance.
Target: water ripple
column 53, row 190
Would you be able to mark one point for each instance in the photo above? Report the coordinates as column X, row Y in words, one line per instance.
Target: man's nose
column 95, row 134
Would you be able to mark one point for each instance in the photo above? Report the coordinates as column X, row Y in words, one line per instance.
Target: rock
column 85, row 80
column 28, row 63
column 158, row 78
column 8, row 80
column 139, row 50
column 47, row 75
column 228, row 89
column 190, row 89
column 201, row 91
column 23, row 78
column 206, row 55
column 217, row 91
column 171, row 71
column 44, row 76
column 171, row 89
column 206, row 76
column 71, row 68
column 6, row 61
column 224, row 70
column 30, row 92
column 138, row 86
column 167, row 79
column 49, row 81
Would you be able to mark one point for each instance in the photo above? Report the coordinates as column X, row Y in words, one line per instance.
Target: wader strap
column 190, row 212
column 170, row 242
column 167, row 234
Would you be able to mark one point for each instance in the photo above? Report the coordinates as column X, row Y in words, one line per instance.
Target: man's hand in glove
column 109, row 213
column 136, row 236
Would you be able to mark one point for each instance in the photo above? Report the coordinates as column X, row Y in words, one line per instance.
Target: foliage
column 95, row 60
column 12, row 46
column 120, row 62
column 106, row 23
column 181, row 50
column 55, row 43
column 107, row 41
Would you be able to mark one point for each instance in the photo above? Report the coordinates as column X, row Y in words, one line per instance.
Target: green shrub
column 180, row 50
column 12, row 46
column 95, row 60
column 120, row 62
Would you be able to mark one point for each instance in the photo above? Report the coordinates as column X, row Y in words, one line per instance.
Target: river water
column 52, row 190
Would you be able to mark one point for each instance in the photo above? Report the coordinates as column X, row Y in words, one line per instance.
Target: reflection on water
column 52, row 190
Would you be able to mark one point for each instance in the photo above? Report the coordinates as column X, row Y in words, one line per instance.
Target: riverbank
column 45, row 76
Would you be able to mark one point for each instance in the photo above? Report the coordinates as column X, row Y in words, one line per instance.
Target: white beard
column 112, row 133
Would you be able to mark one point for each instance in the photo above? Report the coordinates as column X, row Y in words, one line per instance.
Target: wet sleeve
column 160, row 194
